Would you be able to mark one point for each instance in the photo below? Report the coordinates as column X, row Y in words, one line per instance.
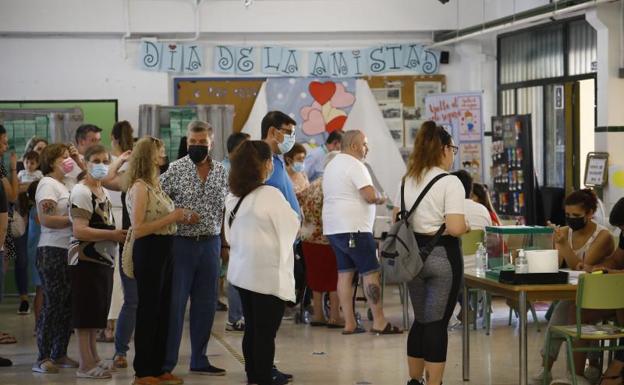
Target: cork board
column 407, row 89
column 241, row 93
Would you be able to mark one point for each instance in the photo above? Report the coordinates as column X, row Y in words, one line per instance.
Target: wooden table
column 521, row 293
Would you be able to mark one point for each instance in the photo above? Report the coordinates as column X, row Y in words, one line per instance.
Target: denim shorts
column 361, row 258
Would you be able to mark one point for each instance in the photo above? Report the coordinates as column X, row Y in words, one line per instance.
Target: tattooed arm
column 46, row 210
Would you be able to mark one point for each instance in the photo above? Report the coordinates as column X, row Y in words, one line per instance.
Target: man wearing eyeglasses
column 278, row 131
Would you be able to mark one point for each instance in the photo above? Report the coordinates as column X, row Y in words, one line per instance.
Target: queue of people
column 122, row 241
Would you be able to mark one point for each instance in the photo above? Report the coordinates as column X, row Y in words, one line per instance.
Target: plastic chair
column 597, row 292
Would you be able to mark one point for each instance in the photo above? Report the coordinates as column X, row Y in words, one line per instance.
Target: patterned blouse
column 98, row 211
column 158, row 205
column 207, row 198
column 311, row 201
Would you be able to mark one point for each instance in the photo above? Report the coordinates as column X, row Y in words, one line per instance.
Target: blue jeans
column 235, row 307
column 127, row 315
column 195, row 274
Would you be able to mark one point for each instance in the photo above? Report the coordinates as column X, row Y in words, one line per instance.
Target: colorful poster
column 461, row 111
column 470, row 156
column 318, row 106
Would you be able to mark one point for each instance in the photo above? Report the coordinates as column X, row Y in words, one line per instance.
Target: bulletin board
column 102, row 113
column 407, row 88
column 241, row 93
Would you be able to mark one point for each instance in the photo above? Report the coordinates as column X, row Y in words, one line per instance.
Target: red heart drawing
column 336, row 124
column 172, row 47
column 322, row 92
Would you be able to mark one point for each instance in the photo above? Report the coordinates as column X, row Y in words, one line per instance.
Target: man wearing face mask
column 197, row 183
column 278, row 131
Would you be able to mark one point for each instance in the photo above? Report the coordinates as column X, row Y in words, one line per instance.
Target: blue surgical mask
column 287, row 144
column 98, row 171
column 298, row 166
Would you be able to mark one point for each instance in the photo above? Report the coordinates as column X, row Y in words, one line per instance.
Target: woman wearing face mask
column 91, row 255
column 294, row 166
column 581, row 244
column 54, row 323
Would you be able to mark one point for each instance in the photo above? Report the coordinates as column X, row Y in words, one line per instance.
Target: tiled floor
column 315, row 356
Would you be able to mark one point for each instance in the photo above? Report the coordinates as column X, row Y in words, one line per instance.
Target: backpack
column 402, row 257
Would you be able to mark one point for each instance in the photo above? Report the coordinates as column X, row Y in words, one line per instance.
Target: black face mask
column 197, row 153
column 576, row 224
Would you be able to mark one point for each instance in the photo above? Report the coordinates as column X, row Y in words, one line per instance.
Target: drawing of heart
column 314, row 124
column 342, row 98
column 336, row 124
column 305, row 111
column 322, row 92
column 172, row 47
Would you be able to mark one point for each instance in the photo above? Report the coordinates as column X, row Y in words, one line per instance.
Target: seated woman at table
column 614, row 375
column 581, row 244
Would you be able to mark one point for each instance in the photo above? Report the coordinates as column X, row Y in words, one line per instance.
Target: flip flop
column 335, row 326
column 7, row 339
column 389, row 329
column 96, row 373
column 318, row 323
column 357, row 330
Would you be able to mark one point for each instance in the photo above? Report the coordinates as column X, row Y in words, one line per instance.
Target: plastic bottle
column 481, row 260
column 522, row 266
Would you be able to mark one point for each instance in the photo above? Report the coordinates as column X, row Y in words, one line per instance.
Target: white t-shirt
column 51, row 189
column 344, row 208
column 477, row 215
column 446, row 196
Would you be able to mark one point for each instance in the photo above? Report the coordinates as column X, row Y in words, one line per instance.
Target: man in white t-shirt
column 477, row 215
column 349, row 200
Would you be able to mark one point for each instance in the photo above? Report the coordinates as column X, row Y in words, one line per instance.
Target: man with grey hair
column 349, row 200
column 197, row 183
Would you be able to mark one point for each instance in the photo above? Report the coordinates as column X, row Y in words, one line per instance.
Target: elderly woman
column 261, row 228
column 295, row 166
column 92, row 255
column 320, row 260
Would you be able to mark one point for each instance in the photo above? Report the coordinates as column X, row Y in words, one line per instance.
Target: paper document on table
column 573, row 275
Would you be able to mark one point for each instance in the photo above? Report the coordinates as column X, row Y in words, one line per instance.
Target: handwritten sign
column 274, row 60
column 596, row 169
column 171, row 57
column 460, row 111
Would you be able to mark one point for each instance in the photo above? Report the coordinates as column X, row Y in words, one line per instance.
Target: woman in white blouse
column 260, row 228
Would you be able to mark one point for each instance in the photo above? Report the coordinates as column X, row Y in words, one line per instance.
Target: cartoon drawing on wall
column 318, row 106
column 326, row 114
column 470, row 110
column 470, row 156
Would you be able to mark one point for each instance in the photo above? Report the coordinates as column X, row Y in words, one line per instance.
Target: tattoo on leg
column 373, row 292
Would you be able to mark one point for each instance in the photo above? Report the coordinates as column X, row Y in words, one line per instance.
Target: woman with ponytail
column 434, row 291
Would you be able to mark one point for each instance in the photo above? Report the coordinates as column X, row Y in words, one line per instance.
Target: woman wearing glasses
column 434, row 291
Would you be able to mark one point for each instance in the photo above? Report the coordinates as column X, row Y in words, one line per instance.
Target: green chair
column 596, row 292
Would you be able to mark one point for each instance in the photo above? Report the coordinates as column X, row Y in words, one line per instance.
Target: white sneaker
column 538, row 378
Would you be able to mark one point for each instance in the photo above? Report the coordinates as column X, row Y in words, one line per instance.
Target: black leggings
column 434, row 295
column 263, row 315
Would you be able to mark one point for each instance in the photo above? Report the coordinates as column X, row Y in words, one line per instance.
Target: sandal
column 389, row 329
column 96, row 373
column 120, row 362
column 45, row 366
column 7, row 339
column 331, row 325
column 357, row 330
column 108, row 365
column 318, row 323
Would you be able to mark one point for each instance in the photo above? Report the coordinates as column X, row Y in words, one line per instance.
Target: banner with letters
column 292, row 62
